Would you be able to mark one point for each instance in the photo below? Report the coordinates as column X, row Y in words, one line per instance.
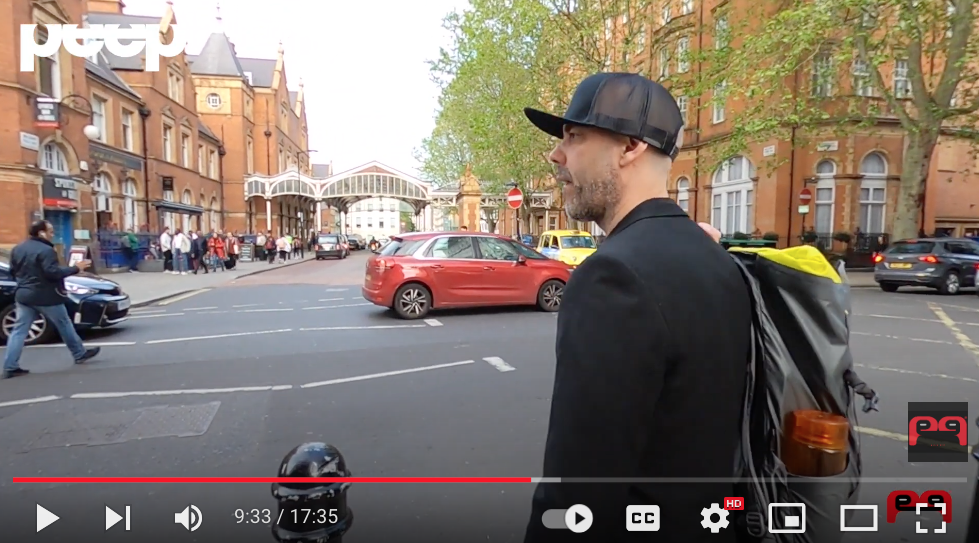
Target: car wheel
column 412, row 301
column 549, row 296
column 38, row 333
column 950, row 283
column 888, row 287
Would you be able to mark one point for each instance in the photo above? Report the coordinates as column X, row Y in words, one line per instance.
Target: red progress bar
column 116, row 480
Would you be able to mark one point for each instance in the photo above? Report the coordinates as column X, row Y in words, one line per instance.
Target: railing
column 111, row 255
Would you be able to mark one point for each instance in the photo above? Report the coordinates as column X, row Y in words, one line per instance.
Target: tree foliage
column 816, row 68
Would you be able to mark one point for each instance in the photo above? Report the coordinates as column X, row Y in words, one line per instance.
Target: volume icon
column 190, row 518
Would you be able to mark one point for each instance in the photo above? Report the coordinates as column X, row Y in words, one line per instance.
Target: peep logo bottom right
column 938, row 432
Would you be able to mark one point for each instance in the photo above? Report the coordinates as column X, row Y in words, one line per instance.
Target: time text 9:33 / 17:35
column 293, row 517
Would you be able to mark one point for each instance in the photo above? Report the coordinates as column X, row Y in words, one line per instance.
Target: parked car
column 92, row 302
column 569, row 246
column 330, row 246
column 946, row 264
column 415, row 273
column 357, row 242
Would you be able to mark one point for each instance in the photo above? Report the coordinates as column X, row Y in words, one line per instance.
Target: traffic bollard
column 316, row 511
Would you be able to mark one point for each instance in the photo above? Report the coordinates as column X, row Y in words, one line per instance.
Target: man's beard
column 592, row 200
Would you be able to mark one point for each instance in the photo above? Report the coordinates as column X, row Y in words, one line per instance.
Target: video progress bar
column 457, row 480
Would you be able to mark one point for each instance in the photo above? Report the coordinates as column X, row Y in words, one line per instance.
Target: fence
column 111, row 255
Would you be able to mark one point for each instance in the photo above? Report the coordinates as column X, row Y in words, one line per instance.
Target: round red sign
column 805, row 196
column 514, row 198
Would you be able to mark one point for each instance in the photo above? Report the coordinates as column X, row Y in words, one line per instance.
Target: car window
column 452, row 247
column 496, row 249
column 326, row 239
column 402, row 247
column 577, row 242
column 911, row 247
column 962, row 248
column 527, row 251
column 552, row 242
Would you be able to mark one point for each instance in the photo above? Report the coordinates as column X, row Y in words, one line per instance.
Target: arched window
column 732, row 197
column 214, row 214
column 873, row 193
column 683, row 193
column 53, row 159
column 103, row 199
column 129, row 204
column 825, row 196
column 188, row 199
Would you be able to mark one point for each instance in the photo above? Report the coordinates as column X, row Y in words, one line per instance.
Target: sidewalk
column 147, row 288
column 861, row 279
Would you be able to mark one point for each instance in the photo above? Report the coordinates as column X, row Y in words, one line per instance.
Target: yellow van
column 569, row 246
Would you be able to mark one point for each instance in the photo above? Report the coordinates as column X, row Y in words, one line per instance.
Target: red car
column 418, row 272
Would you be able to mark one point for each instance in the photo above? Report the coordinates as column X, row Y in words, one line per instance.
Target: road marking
column 385, row 374
column 200, row 308
column 921, row 373
column 265, row 310
column 175, row 392
column 183, row 296
column 377, row 327
column 876, row 432
column 964, row 340
column 141, row 311
column 155, row 316
column 246, row 305
column 918, row 319
column 87, row 344
column 336, row 290
column 499, row 364
column 216, row 336
column 433, row 322
column 29, row 401
column 923, row 340
column 213, row 312
column 336, row 306
column 959, row 307
column 330, row 300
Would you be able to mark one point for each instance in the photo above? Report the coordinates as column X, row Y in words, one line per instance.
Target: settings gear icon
column 709, row 512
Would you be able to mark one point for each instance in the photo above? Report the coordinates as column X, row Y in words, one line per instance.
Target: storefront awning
column 177, row 207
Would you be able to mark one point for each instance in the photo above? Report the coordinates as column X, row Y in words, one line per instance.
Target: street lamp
column 90, row 131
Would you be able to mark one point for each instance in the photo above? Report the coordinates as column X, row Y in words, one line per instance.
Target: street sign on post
column 805, row 196
column 514, row 198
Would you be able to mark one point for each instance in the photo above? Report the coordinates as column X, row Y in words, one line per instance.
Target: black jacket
column 653, row 343
column 39, row 276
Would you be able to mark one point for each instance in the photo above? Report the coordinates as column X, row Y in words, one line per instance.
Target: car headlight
column 76, row 289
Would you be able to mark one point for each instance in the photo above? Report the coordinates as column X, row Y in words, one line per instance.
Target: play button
column 578, row 518
column 45, row 518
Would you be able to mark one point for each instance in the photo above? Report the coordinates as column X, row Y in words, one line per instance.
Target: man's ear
column 634, row 150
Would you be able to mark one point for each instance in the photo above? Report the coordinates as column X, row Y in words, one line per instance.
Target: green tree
column 833, row 67
column 407, row 221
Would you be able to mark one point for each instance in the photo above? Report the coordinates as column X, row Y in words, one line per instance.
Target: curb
column 158, row 299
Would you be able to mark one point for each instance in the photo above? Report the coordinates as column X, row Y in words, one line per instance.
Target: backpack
column 800, row 361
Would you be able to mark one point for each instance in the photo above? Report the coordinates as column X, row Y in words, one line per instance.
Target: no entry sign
column 514, row 198
column 805, row 196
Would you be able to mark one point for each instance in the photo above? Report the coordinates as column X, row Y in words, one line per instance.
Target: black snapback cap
column 627, row 104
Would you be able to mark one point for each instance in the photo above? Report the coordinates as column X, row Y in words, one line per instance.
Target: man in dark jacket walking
column 40, row 283
column 653, row 336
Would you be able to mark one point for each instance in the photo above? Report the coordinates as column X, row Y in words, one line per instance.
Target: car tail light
column 318, row 248
column 878, row 258
column 929, row 259
column 382, row 264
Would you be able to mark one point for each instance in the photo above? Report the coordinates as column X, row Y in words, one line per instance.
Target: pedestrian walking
column 217, row 249
column 166, row 245
column 40, row 290
column 653, row 335
column 130, row 249
column 270, row 248
column 260, row 246
column 181, row 250
column 234, row 249
column 283, row 248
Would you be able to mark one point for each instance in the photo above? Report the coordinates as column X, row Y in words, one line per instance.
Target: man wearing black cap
column 653, row 333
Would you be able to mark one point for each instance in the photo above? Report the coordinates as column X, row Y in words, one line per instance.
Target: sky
column 364, row 67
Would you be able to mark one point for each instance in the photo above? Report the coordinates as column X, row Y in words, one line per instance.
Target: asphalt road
column 223, row 383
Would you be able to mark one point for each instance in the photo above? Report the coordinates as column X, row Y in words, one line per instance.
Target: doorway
column 63, row 231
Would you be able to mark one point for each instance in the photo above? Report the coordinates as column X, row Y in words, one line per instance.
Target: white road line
column 876, row 432
column 336, row 290
column 433, row 322
column 246, row 305
column 155, row 316
column 175, row 392
column 87, row 344
column 918, row 319
column 920, row 373
column 30, row 401
column 385, row 374
column 217, row 336
column 200, row 308
column 183, row 296
column 141, row 311
column 378, row 327
column 336, row 306
column 958, row 307
column 964, row 340
column 498, row 363
column 920, row 339
column 265, row 310
column 329, row 300
column 213, row 312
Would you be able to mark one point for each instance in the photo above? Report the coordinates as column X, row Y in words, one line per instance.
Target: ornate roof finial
column 281, row 48
column 218, row 9
column 300, row 82
column 170, row 3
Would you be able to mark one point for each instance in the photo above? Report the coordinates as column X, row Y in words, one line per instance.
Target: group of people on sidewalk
column 192, row 252
column 280, row 249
